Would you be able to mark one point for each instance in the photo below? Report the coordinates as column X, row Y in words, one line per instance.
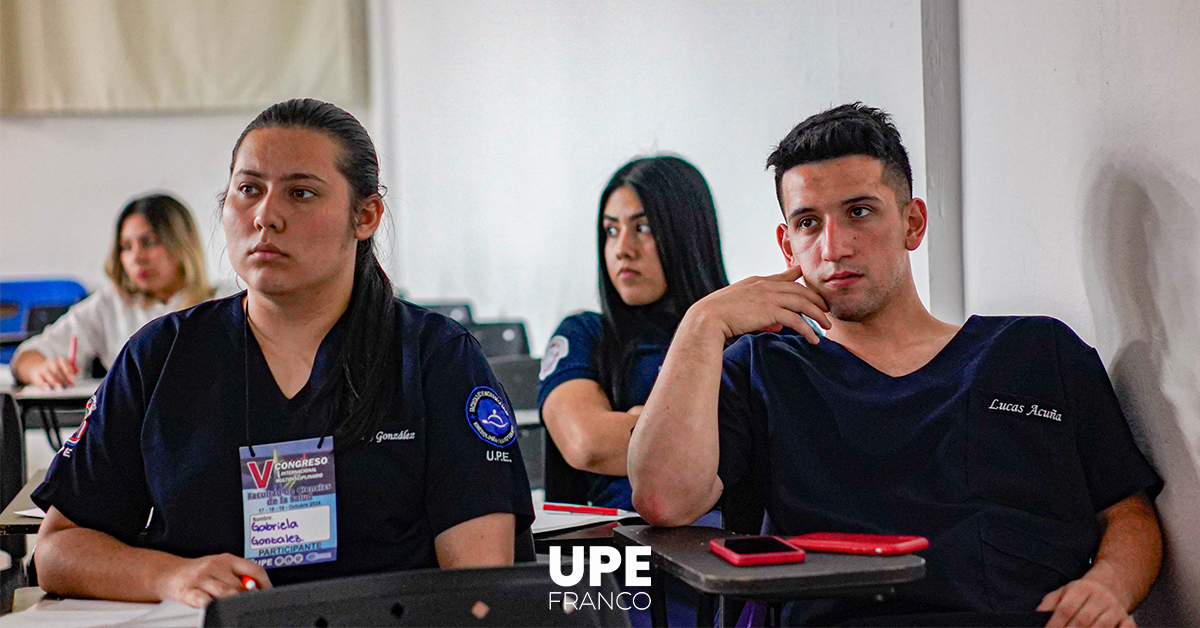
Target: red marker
column 248, row 583
column 581, row 510
column 74, row 350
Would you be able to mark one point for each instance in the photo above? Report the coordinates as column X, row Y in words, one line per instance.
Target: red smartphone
column 746, row 551
column 845, row 543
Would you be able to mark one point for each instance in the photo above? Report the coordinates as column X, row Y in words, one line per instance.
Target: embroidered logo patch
column 71, row 442
column 488, row 418
column 555, row 351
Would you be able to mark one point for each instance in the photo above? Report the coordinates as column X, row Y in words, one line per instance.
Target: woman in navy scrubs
column 659, row 252
column 181, row 461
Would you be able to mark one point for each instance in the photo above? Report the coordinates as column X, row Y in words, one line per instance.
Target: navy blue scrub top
column 572, row 354
column 1000, row 450
column 166, row 424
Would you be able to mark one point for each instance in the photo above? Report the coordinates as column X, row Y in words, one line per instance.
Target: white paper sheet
column 550, row 521
column 103, row 614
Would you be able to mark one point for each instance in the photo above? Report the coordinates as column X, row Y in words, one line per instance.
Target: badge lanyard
column 289, row 493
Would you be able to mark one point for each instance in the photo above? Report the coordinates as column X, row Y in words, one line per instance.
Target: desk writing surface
column 683, row 552
column 10, row 521
column 72, row 613
column 81, row 391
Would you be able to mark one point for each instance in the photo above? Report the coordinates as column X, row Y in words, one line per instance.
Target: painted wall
column 63, row 179
column 1081, row 186
column 509, row 118
column 498, row 124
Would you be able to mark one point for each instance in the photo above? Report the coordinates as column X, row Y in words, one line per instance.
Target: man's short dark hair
column 851, row 129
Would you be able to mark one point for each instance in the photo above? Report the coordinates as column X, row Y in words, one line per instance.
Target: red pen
column 74, row 350
column 248, row 583
column 581, row 510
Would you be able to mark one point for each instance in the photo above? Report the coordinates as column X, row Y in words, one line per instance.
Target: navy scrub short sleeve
column 474, row 465
column 1113, row 466
column 97, row 480
column 570, row 353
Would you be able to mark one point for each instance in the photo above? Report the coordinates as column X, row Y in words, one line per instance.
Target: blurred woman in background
column 156, row 266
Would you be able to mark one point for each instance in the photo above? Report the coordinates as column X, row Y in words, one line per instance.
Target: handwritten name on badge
column 1018, row 408
column 401, row 435
column 302, row 525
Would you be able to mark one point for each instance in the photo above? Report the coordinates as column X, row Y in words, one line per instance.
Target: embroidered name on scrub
column 1034, row 410
column 289, row 501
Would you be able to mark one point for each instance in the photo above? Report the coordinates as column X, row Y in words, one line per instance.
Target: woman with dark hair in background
column 314, row 425
column 156, row 266
column 659, row 252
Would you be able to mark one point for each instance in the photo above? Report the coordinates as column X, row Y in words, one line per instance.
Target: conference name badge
column 289, row 503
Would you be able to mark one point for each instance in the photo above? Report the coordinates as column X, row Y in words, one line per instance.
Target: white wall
column 63, row 179
column 1081, row 182
column 498, row 124
column 509, row 118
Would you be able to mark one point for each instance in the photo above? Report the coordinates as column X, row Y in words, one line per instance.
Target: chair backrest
column 40, row 316
column 18, row 296
column 519, row 377
column 501, row 339
column 460, row 312
column 502, row 596
column 12, row 468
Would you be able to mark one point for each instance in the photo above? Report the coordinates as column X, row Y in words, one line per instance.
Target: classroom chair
column 459, row 312
column 518, row 375
column 501, row 339
column 28, row 306
column 12, row 478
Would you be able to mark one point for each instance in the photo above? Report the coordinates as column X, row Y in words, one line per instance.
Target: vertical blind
column 102, row 56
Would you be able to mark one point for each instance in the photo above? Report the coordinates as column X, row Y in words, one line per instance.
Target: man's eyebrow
column 859, row 199
column 799, row 210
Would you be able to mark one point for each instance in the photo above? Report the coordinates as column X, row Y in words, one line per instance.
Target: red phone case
column 846, row 543
column 717, row 546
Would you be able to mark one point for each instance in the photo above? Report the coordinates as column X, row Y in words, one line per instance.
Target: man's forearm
column 675, row 450
column 1130, row 550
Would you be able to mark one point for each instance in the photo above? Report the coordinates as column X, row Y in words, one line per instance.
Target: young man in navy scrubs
column 1001, row 441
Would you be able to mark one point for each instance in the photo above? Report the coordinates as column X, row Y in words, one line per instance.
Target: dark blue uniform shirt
column 571, row 354
column 1000, row 450
column 168, row 420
